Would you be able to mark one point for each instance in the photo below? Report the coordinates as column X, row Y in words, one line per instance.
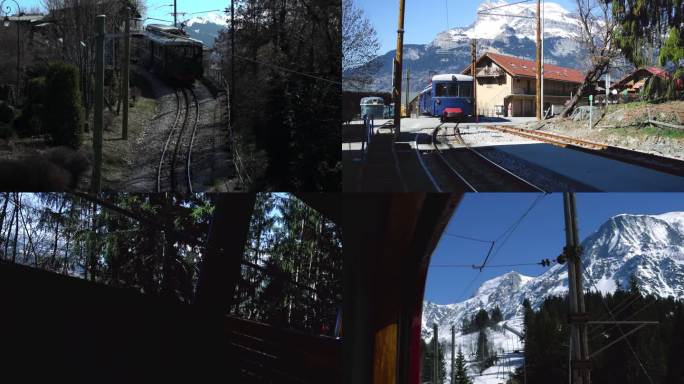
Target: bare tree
column 596, row 26
column 74, row 29
column 359, row 46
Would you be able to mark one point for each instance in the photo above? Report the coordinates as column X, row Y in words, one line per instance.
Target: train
column 449, row 97
column 372, row 107
column 170, row 53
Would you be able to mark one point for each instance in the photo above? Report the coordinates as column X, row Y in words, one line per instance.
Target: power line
column 603, row 301
column 468, row 238
column 508, row 5
column 473, row 266
column 289, row 70
column 507, row 233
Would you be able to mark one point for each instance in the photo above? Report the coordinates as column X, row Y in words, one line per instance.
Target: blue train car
column 449, row 97
column 372, row 107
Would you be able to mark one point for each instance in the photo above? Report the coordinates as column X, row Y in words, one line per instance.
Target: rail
column 664, row 164
column 163, row 156
column 496, row 165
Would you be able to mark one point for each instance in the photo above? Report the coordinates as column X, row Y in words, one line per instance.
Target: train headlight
column 439, row 101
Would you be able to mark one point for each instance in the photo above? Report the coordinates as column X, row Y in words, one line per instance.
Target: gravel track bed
column 211, row 168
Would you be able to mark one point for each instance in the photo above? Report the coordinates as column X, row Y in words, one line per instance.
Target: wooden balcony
column 490, row 72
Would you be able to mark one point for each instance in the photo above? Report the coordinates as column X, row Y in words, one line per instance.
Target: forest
column 154, row 243
column 653, row 354
column 287, row 91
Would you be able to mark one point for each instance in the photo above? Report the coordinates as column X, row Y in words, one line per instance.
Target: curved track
column 466, row 169
column 179, row 143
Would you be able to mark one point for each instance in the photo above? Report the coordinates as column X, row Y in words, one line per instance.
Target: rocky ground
column 625, row 126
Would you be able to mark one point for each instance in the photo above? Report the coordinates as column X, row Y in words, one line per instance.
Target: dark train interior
column 386, row 262
column 67, row 329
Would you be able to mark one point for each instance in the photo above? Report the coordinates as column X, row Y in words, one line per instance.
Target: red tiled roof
column 653, row 70
column 658, row 72
column 527, row 68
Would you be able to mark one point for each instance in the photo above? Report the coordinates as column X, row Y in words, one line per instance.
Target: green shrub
column 6, row 113
column 6, row 131
column 35, row 92
column 30, row 122
column 63, row 115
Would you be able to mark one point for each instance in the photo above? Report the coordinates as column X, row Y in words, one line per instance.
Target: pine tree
column 496, row 316
column 460, row 371
column 481, row 319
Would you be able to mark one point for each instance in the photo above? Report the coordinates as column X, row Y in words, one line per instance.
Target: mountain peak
column 217, row 18
column 649, row 248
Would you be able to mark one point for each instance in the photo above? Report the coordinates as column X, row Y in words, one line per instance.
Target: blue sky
column 423, row 19
column 156, row 8
column 540, row 235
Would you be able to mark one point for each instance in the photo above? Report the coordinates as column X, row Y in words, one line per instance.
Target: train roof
column 164, row 29
column 372, row 100
column 173, row 40
column 452, row 77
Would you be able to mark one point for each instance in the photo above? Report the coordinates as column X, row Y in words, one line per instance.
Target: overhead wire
column 508, row 5
column 289, row 70
column 468, row 238
column 473, row 266
column 507, row 233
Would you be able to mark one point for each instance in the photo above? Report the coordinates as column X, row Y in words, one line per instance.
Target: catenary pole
column 453, row 349
column 538, row 85
column 396, row 91
column 99, row 102
column 435, row 354
column 126, row 72
column 580, row 364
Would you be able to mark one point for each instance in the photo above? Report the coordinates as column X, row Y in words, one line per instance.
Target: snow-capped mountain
column 206, row 27
column 648, row 247
column 449, row 52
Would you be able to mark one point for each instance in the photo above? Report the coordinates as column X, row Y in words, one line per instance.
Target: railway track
column 174, row 173
column 643, row 159
column 466, row 169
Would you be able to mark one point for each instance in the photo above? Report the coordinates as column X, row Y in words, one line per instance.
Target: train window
column 446, row 89
column 465, row 89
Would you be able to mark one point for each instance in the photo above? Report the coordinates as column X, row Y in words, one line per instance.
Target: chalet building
column 506, row 85
column 633, row 82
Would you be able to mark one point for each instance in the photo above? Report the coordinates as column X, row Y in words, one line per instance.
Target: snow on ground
column 504, row 342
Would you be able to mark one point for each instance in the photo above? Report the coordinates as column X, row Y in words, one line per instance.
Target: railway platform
column 369, row 167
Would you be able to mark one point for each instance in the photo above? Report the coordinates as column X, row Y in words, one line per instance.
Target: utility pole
column 175, row 14
column 408, row 78
column 453, row 349
column 542, row 59
column 99, row 102
column 126, row 69
column 539, row 65
column 578, row 318
column 435, row 353
column 473, row 71
column 396, row 91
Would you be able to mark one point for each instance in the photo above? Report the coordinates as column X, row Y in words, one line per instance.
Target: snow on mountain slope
column 648, row 247
column 506, row 344
column 449, row 51
column 206, row 27
column 217, row 18
column 505, row 22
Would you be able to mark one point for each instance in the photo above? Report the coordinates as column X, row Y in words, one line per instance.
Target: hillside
column 449, row 51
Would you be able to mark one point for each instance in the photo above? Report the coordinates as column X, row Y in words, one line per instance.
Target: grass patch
column 117, row 156
column 649, row 131
column 631, row 105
